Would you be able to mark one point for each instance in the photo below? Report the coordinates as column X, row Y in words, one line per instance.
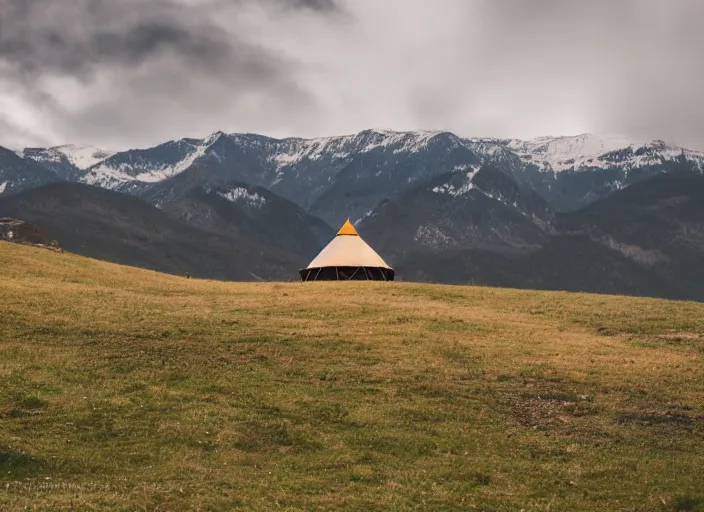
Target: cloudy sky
column 132, row 73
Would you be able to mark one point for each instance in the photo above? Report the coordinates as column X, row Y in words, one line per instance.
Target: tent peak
column 348, row 229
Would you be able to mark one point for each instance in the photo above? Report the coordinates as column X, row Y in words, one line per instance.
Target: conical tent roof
column 348, row 255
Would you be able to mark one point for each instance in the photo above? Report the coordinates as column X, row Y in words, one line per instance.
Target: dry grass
column 125, row 389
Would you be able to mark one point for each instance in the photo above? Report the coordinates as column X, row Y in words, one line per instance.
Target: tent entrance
column 347, row 274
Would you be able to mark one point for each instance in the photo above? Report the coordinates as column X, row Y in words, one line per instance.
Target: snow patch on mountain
column 501, row 199
column 3, row 186
column 83, row 157
column 486, row 148
column 167, row 171
column 451, row 189
column 110, row 174
column 454, row 190
column 615, row 185
column 367, row 214
column 289, row 155
column 294, row 151
column 562, row 153
column 430, row 235
column 241, row 194
column 410, row 142
column 587, row 151
column 415, row 142
column 105, row 177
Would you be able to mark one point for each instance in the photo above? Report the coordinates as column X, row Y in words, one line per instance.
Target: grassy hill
column 126, row 389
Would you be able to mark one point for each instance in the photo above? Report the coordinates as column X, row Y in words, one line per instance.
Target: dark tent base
column 347, row 274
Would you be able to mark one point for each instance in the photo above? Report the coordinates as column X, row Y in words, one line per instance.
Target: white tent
column 347, row 257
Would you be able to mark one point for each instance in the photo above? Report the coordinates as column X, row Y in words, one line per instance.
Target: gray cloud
column 630, row 66
column 316, row 5
column 73, row 38
column 137, row 72
column 16, row 135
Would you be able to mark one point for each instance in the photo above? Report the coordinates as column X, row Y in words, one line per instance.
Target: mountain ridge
column 569, row 171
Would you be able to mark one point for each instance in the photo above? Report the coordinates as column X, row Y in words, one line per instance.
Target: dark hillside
column 119, row 228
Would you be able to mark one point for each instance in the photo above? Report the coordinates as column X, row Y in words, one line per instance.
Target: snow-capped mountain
column 83, row 157
column 571, row 172
column 336, row 177
column 277, row 160
column 145, row 166
column 592, row 151
column 311, row 172
column 69, row 162
column 301, row 169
